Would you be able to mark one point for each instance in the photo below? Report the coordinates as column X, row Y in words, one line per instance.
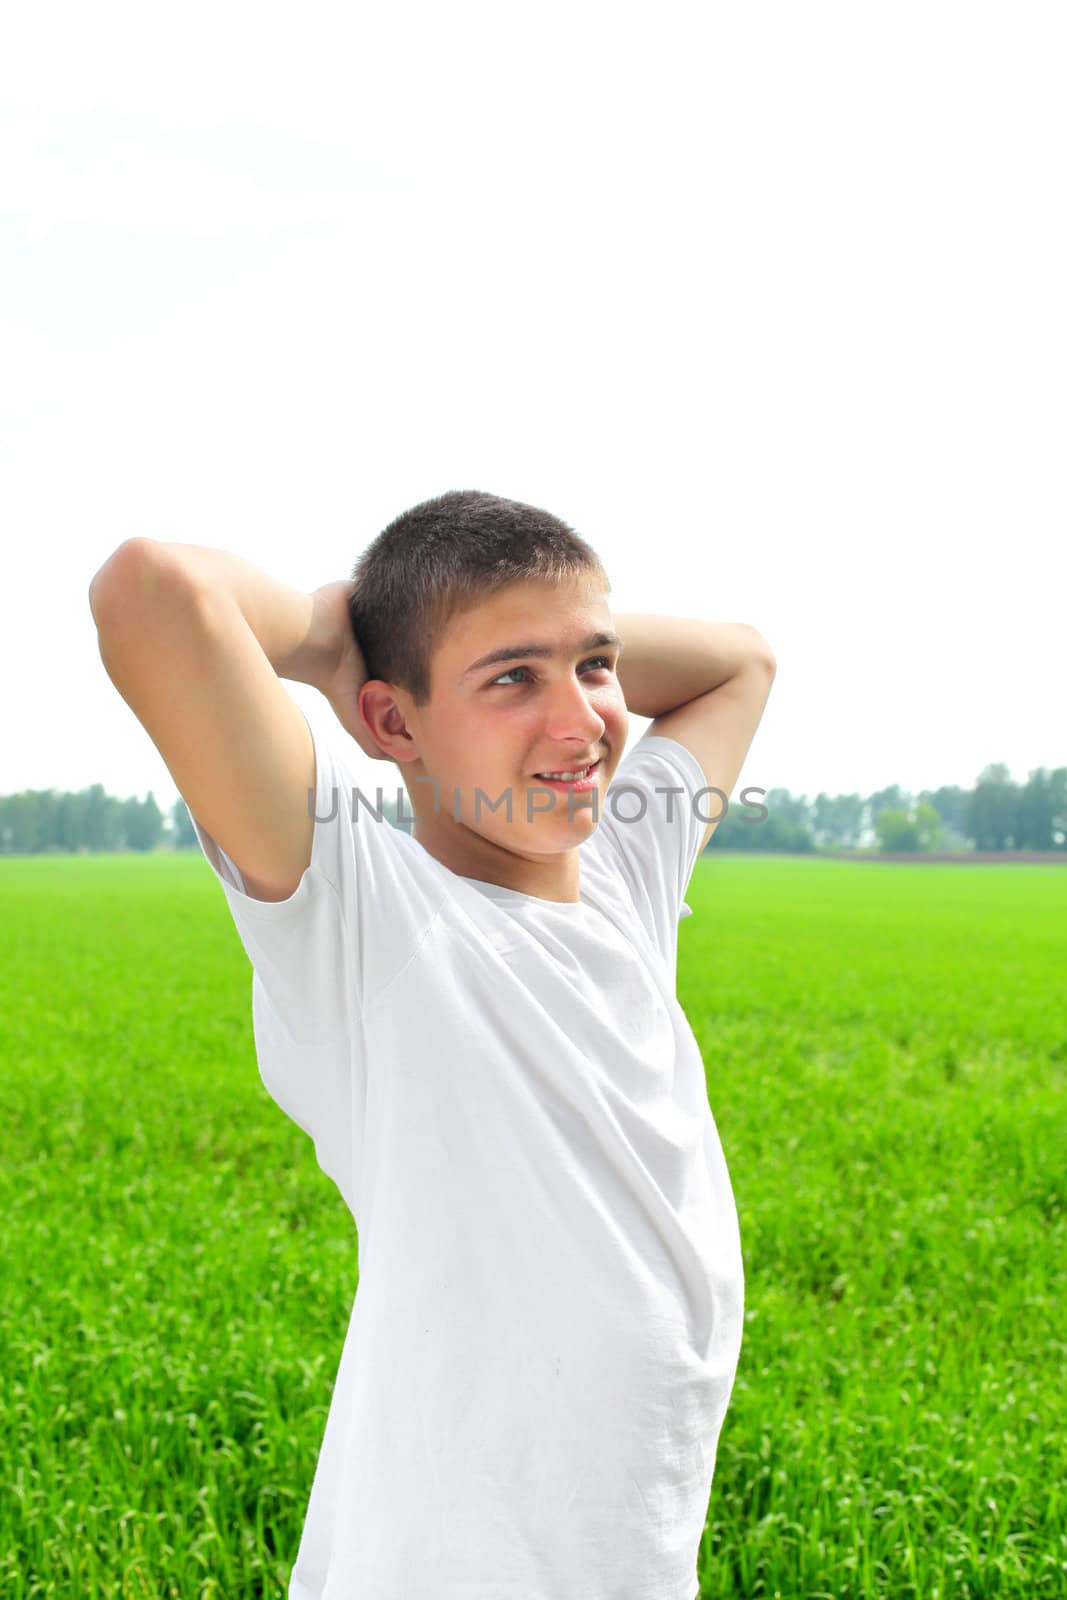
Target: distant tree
column 785, row 827
column 20, row 822
column 1042, row 810
column 896, row 830
column 1058, row 791
column 47, row 804
column 993, row 814
column 787, row 807
column 183, row 832
column 928, row 827
column 837, row 819
column 71, row 821
column 142, row 823
column 891, row 799
column 101, row 819
column 950, row 802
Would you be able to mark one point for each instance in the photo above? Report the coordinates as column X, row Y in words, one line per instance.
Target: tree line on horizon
column 998, row 814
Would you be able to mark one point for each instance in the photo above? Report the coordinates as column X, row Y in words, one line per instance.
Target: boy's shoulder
column 651, row 831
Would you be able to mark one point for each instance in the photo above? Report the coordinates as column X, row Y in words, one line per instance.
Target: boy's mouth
column 575, row 777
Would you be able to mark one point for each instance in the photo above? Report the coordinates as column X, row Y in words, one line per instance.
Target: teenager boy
column 477, row 1024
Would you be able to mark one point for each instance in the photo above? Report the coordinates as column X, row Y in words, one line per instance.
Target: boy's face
column 494, row 727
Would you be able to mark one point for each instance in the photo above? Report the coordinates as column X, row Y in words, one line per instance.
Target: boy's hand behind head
column 347, row 672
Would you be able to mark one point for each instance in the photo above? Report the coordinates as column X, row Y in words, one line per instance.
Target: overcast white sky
column 766, row 301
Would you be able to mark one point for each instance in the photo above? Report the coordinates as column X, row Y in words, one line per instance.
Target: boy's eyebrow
column 512, row 652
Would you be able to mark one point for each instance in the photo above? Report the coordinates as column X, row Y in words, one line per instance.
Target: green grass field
column 886, row 1049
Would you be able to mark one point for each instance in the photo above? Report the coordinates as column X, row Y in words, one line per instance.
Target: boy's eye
column 602, row 661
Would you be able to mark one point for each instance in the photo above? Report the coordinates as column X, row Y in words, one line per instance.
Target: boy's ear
column 388, row 721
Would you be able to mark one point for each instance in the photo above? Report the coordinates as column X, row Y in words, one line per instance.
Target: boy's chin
column 563, row 818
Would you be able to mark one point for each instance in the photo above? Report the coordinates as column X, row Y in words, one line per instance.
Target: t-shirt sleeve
column 650, row 831
column 358, row 913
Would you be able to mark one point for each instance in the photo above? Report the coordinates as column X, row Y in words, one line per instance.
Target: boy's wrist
column 328, row 642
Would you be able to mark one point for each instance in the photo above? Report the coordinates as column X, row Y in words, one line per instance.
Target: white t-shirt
column 512, row 1103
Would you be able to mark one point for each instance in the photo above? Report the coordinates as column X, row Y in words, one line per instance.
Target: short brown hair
column 443, row 556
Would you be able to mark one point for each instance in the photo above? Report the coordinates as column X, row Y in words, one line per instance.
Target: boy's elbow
column 763, row 646
column 109, row 575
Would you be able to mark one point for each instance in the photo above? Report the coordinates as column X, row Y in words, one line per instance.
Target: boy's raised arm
column 705, row 685
column 195, row 641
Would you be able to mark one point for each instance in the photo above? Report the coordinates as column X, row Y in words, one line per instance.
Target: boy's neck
column 553, row 876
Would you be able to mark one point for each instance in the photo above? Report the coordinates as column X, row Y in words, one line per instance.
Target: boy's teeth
column 580, row 774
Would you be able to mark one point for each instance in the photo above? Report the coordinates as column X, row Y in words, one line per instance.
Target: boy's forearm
column 285, row 620
column 666, row 661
